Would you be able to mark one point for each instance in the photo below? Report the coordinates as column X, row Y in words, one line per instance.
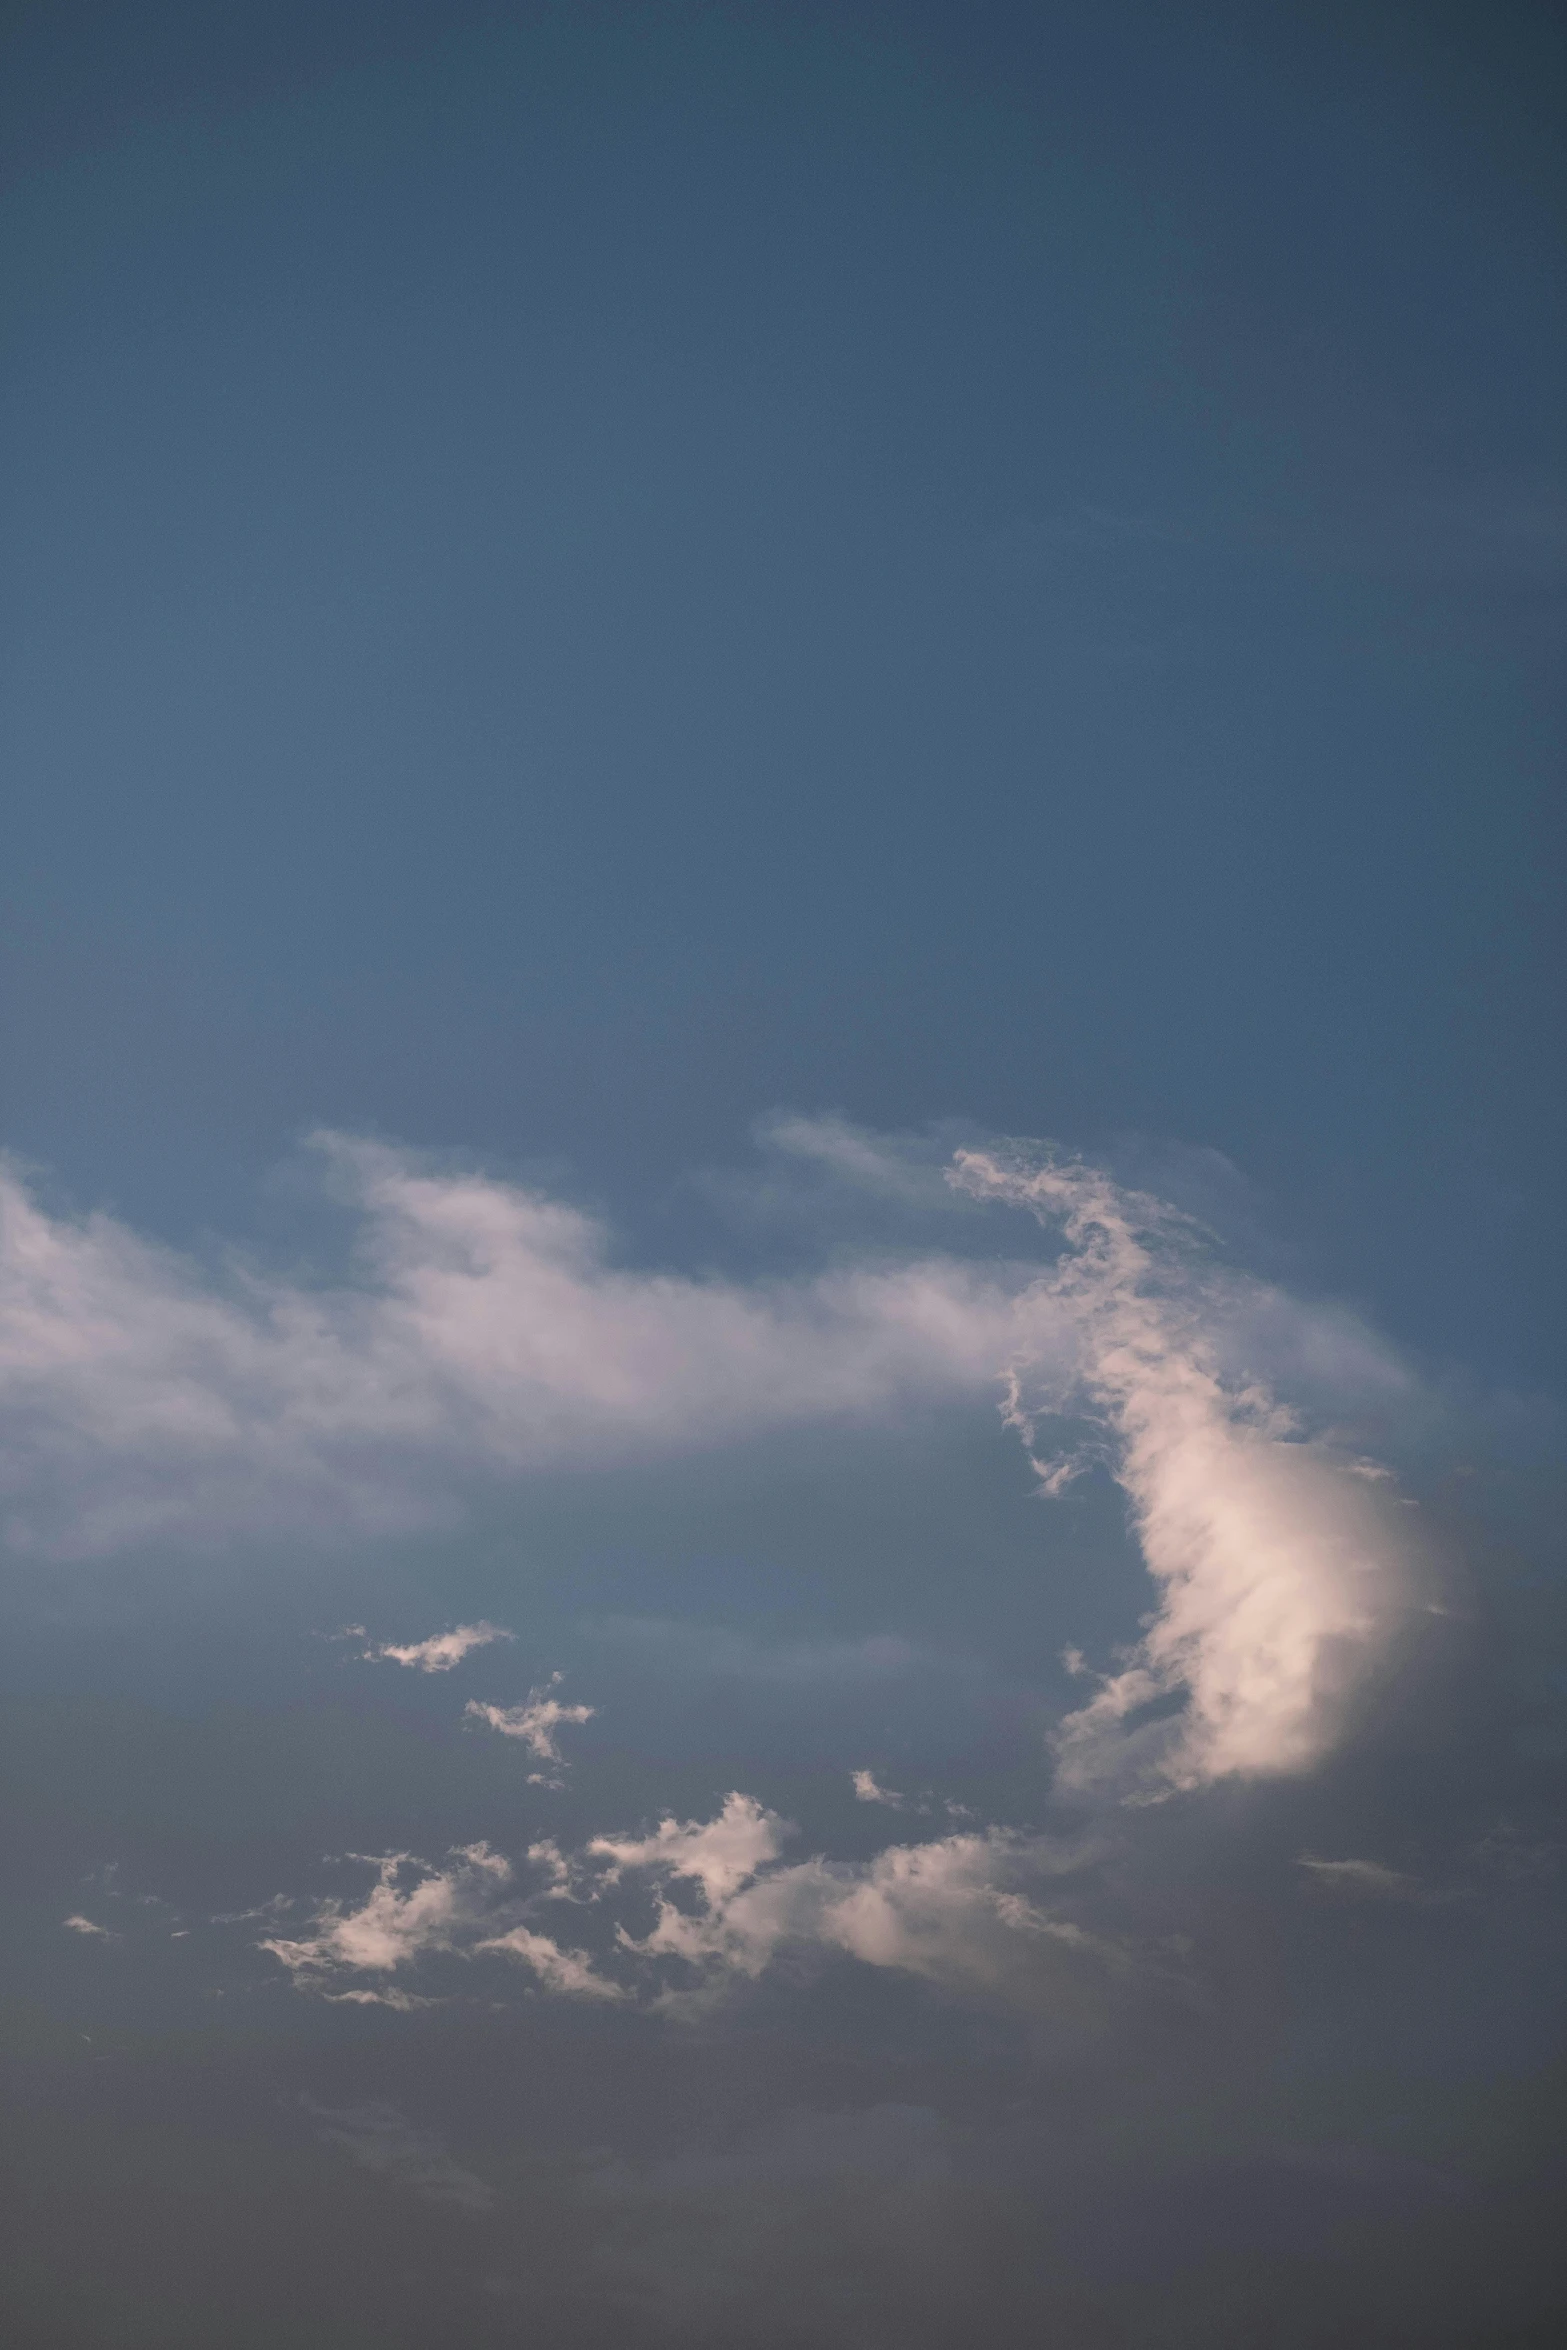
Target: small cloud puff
column 438, row 1654
column 535, row 1723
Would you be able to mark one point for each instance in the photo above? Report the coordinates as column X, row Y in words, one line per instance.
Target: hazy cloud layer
column 490, row 1333
column 1072, row 1913
column 989, row 1914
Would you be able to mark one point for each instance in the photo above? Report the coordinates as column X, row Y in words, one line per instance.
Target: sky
column 781, row 1264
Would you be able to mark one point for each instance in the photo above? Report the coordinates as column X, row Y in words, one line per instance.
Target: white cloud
column 720, row 1855
column 81, row 1925
column 440, row 1652
column 380, row 2139
column 394, row 1926
column 962, row 1912
column 1282, row 1570
column 488, row 1334
column 452, row 1910
column 954, row 1911
column 557, row 1969
column 535, row 1723
column 867, row 1790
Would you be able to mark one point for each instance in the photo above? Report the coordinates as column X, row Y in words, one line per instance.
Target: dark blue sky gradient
column 572, row 578
column 577, row 574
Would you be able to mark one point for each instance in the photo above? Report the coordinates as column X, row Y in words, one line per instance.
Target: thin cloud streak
column 439, row 1654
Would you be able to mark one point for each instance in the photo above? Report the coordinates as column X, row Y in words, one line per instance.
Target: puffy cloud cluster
column 962, row 1912
column 954, row 1911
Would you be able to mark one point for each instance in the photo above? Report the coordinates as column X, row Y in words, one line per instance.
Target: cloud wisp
column 488, row 1334
column 439, row 1654
column 394, row 1925
column 536, row 1722
column 1363, row 1880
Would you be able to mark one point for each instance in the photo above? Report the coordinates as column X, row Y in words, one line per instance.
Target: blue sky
column 782, row 912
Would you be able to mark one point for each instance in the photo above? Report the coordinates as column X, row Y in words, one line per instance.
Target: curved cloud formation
column 1283, row 1566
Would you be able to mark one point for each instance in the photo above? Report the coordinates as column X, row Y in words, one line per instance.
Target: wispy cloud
column 415, row 1911
column 439, row 1653
column 1368, row 1880
column 557, row 1969
column 489, row 1333
column 395, row 1924
column 536, row 1723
